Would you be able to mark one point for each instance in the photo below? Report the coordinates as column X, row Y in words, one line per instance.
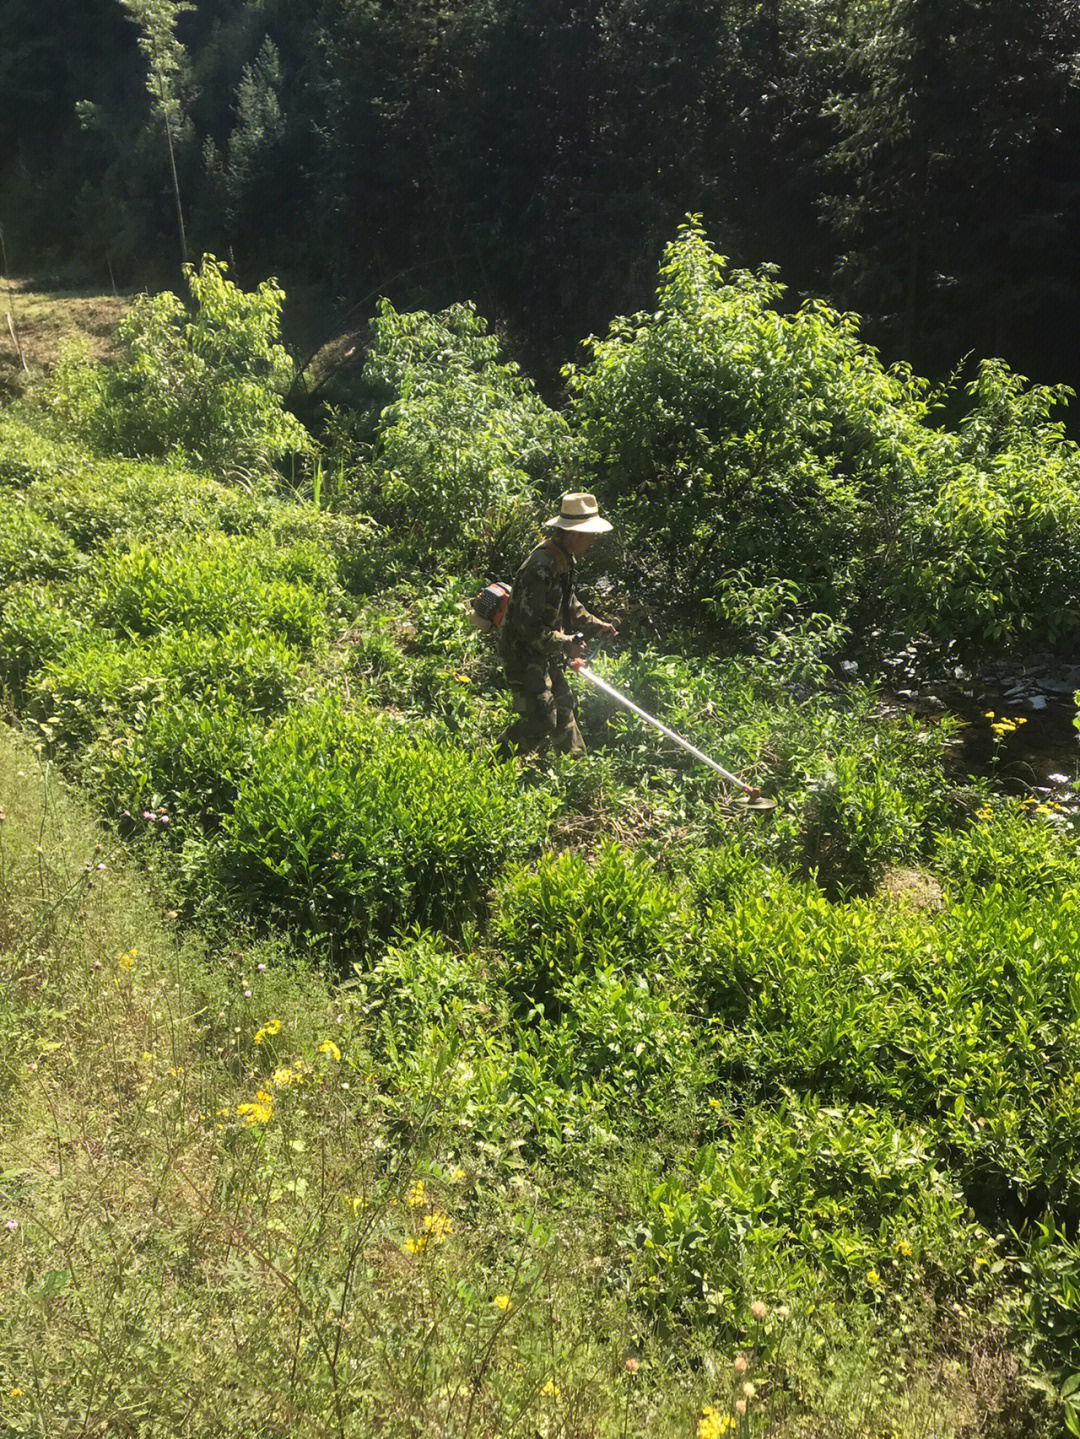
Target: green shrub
column 1016, row 846
column 101, row 682
column 989, row 558
column 349, row 828
column 189, row 758
column 861, row 817
column 462, row 444
column 626, row 1036
column 205, row 386
column 214, row 585
column 30, row 547
column 728, row 436
column 786, row 1194
column 566, row 919
column 971, row 1016
column 36, row 624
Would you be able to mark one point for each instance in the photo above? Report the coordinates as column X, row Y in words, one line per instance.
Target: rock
column 849, row 668
column 1037, row 702
column 1057, row 687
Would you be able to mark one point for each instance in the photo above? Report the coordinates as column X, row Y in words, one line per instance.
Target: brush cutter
column 753, row 798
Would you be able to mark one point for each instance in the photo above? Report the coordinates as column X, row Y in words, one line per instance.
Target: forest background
column 914, row 160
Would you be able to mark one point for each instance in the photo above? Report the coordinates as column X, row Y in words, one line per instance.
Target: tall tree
column 166, row 68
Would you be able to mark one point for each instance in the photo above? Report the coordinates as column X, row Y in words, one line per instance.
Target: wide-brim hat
column 579, row 512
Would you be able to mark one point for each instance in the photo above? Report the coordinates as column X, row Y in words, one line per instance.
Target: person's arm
column 588, row 624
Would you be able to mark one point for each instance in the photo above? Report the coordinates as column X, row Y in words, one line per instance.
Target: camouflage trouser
column 544, row 704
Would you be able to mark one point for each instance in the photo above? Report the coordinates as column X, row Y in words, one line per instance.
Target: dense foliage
column 540, row 1075
column 913, row 159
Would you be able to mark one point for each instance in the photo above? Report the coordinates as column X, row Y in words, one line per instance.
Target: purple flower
column 124, row 814
column 101, row 866
column 247, row 993
column 260, row 967
column 11, row 1224
column 164, row 819
column 148, row 814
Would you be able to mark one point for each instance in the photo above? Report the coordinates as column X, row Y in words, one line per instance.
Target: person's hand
column 606, row 632
column 574, row 647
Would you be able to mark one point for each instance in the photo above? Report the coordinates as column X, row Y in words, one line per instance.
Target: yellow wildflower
column 1020, row 719
column 714, row 1104
column 329, row 1047
column 456, row 1176
column 711, row 1424
column 414, row 1246
column 989, row 715
column 438, row 1226
column 903, row 1248
column 258, row 1112
column 873, row 1278
column 985, row 813
column 502, row 1302
column 270, row 1027
column 415, row 1194
column 357, row 1202
column 286, row 1075
column 127, row 959
column 16, row 1394
column 550, row 1388
column 980, row 1261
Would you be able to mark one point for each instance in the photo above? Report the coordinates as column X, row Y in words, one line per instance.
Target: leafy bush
column 629, row 1039
column 189, row 757
column 566, row 919
column 463, row 444
column 30, row 547
column 205, row 386
column 213, row 586
column 988, row 558
column 969, row 1019
column 729, row 436
column 349, row 828
column 862, row 816
column 1012, row 845
column 784, row 1194
column 98, row 682
column 35, row 625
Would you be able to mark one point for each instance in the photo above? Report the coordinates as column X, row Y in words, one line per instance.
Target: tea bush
column 189, row 757
column 566, row 919
column 968, row 1022
column 630, row 1040
column 212, row 586
column 30, row 547
column 36, row 624
column 785, row 1193
column 1012, row 845
column 99, row 683
column 987, row 557
column 349, row 828
column 204, row 386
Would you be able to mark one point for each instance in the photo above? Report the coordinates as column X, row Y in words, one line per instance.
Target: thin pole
column 594, row 679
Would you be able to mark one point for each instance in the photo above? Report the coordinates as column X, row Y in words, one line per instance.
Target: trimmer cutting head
column 755, row 803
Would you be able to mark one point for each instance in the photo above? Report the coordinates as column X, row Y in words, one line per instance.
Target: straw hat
column 579, row 512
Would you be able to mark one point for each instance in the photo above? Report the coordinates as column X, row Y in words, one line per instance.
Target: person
column 540, row 630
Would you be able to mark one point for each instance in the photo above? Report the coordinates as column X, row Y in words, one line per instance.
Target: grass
column 352, row 1082
column 49, row 324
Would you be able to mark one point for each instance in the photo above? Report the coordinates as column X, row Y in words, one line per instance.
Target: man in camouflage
column 538, row 635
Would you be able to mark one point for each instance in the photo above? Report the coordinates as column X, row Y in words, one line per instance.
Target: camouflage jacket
column 543, row 609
